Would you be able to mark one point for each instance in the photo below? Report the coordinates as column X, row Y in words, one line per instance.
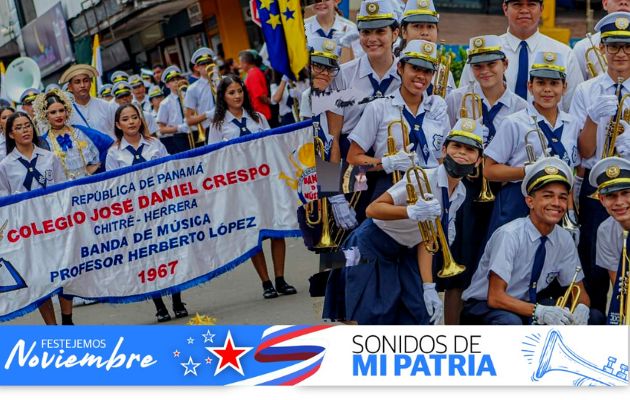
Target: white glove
column 349, row 38
column 577, row 186
column 345, row 216
column 552, row 315
column 400, row 161
column 603, row 107
column 182, row 128
column 432, row 301
column 424, row 210
column 285, row 79
column 581, row 314
column 438, row 110
column 353, row 256
column 623, row 141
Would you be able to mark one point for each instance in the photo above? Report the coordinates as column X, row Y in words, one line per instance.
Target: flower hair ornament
column 39, row 105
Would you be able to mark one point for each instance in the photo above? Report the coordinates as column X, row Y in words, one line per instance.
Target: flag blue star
column 191, row 367
column 190, row 340
column 208, row 337
column 288, row 13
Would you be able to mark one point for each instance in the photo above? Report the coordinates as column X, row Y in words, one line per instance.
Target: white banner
column 163, row 225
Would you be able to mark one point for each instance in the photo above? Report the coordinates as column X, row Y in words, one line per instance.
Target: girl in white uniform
column 329, row 24
column 5, row 113
column 234, row 115
column 28, row 167
column 133, row 146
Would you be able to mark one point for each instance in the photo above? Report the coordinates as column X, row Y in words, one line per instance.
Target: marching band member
column 234, row 115
column 139, row 93
column 506, row 155
column 122, row 92
column 199, row 101
column 410, row 105
column 525, row 255
column 26, row 101
column 133, row 146
column 420, row 21
column 396, row 286
column 520, row 44
column 105, row 92
column 5, row 113
column 155, row 97
column 488, row 64
column 172, row 125
column 581, row 47
column 595, row 105
column 285, row 94
column 328, row 23
column 373, row 74
column 28, row 167
column 612, row 178
column 93, row 113
column 119, row 76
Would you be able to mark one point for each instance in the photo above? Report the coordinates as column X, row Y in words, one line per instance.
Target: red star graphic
column 176, row 353
column 229, row 355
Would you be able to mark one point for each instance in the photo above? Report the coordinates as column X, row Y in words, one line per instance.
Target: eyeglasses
column 21, row 128
column 613, row 48
column 321, row 69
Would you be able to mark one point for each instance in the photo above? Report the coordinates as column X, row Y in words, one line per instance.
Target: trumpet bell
column 23, row 73
column 451, row 269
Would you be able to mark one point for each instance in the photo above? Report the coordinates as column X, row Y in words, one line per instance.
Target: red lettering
column 13, row 236
column 48, row 226
column 231, row 177
column 219, row 180
column 207, row 184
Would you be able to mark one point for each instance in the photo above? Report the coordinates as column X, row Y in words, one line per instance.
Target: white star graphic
column 191, row 367
column 229, row 355
column 208, row 337
column 190, row 340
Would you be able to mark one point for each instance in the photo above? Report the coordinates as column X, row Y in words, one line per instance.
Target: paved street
column 233, row 298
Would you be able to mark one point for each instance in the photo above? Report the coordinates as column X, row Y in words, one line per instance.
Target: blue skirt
column 508, row 206
column 384, row 289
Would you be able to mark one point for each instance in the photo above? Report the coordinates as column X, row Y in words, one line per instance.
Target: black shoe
column 285, row 288
column 270, row 293
column 180, row 311
column 163, row 315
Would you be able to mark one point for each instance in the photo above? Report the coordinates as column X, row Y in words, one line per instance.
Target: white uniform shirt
column 588, row 93
column 119, row 156
column 405, row 231
column 13, row 173
column 3, row 146
column 371, row 131
column 145, row 104
column 511, row 104
column 229, row 130
column 96, row 114
column 199, row 98
column 609, row 244
column 510, row 45
column 579, row 51
column 73, row 161
column 283, row 107
column 170, row 113
column 341, row 26
column 355, row 74
column 508, row 145
column 510, row 254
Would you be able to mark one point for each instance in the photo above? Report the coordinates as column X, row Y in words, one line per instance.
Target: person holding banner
column 134, row 145
column 395, row 283
column 234, row 115
column 28, row 167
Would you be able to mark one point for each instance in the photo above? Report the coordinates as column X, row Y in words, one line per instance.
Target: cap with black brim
column 420, row 62
column 420, row 18
column 485, row 57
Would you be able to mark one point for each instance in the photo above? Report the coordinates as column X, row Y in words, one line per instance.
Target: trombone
column 391, row 143
column 182, row 87
column 432, row 232
column 573, row 291
column 440, row 83
column 600, row 59
column 485, row 193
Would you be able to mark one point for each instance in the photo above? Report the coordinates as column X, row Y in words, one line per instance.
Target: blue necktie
column 289, row 101
column 430, row 89
column 137, row 154
column 321, row 33
column 417, row 134
column 488, row 119
column 242, row 126
column 65, row 141
column 322, row 136
column 553, row 141
column 379, row 89
column 539, row 262
column 446, row 205
column 32, row 173
column 614, row 308
column 523, row 71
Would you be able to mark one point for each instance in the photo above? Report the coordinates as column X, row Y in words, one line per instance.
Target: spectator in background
column 256, row 84
column 157, row 75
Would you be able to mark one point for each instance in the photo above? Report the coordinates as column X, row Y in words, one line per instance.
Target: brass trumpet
column 432, row 235
column 624, row 283
column 599, row 57
column 391, row 143
column 614, row 126
column 182, row 87
column 573, row 291
column 325, row 240
column 529, row 147
column 320, row 147
column 440, row 82
column 210, row 71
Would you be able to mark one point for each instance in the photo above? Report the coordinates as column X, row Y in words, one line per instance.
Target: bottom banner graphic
column 321, row 355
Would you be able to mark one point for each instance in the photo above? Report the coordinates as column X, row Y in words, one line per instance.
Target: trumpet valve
column 412, row 198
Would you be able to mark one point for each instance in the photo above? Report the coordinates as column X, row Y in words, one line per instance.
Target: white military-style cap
column 614, row 28
column 420, row 53
column 466, row 131
column 202, row 55
column 483, row 49
column 119, row 76
column 105, row 90
column 420, row 11
column 375, row 14
column 610, row 174
column 324, row 51
column 544, row 171
column 121, row 89
column 172, row 71
column 549, row 64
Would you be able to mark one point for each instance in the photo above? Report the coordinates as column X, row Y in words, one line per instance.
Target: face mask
column 455, row 170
